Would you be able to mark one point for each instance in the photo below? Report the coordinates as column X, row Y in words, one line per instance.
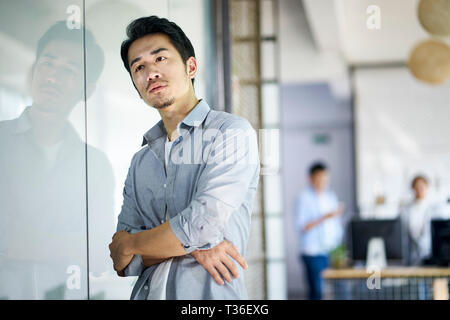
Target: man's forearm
column 313, row 224
column 316, row 222
column 151, row 261
column 157, row 243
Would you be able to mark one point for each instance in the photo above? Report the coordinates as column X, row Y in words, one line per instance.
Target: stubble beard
column 164, row 104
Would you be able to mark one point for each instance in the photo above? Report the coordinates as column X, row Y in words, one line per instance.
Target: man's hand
column 327, row 216
column 121, row 250
column 217, row 260
column 338, row 211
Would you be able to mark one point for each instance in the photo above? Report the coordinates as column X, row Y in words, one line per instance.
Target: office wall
column 401, row 130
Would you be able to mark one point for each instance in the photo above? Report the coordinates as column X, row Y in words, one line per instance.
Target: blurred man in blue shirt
column 318, row 219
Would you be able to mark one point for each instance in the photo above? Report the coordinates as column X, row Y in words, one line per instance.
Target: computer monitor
column 390, row 230
column 440, row 235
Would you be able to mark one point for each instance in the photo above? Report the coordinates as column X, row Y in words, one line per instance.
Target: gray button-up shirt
column 208, row 191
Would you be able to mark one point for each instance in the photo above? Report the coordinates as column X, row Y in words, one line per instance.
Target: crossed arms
column 160, row 243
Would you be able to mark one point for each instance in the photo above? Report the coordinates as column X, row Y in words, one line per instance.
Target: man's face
column 158, row 71
column 319, row 180
column 57, row 81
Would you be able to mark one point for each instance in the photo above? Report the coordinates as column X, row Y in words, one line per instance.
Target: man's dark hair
column 60, row 32
column 417, row 178
column 151, row 25
column 317, row 167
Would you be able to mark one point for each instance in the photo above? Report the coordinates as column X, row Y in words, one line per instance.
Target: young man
column 189, row 192
column 321, row 230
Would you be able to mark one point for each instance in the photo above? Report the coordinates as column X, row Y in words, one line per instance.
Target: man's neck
column 47, row 127
column 175, row 113
column 318, row 191
column 419, row 200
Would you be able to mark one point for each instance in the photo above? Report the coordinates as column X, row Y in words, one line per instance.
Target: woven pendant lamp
column 434, row 16
column 429, row 61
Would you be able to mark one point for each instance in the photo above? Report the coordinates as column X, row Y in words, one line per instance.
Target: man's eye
column 160, row 59
column 140, row 67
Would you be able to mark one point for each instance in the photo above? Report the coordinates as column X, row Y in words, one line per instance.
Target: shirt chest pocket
column 185, row 185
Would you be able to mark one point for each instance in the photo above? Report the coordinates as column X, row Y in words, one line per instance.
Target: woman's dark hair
column 151, row 25
column 317, row 167
column 417, row 178
column 60, row 32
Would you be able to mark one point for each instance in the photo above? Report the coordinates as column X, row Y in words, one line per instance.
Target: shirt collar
column 23, row 122
column 313, row 191
column 194, row 118
column 197, row 115
column 23, row 125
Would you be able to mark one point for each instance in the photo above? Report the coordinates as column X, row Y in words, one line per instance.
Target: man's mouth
column 156, row 88
column 51, row 90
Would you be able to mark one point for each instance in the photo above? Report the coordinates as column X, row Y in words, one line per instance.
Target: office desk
column 402, row 283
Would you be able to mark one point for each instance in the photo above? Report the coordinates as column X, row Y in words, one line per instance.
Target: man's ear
column 191, row 67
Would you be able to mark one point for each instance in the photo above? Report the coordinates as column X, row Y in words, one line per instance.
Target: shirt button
column 165, row 185
column 145, row 287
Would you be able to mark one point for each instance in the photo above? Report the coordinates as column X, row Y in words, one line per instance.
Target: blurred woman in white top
column 416, row 218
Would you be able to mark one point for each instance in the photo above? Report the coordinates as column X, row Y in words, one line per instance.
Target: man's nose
column 53, row 75
column 50, row 80
column 153, row 74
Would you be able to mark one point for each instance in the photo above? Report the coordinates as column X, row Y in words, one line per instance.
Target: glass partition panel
column 43, row 160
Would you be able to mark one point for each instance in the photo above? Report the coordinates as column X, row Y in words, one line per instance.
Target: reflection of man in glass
column 43, row 178
column 183, row 226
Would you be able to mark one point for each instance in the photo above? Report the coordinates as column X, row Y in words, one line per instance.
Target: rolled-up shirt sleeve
column 231, row 168
column 130, row 220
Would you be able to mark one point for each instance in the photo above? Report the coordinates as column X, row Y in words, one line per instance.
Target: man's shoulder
column 7, row 130
column 224, row 120
column 305, row 195
column 140, row 153
column 331, row 194
column 98, row 159
column 7, row 126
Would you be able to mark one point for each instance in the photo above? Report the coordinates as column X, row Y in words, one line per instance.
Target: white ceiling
column 341, row 25
column 319, row 39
